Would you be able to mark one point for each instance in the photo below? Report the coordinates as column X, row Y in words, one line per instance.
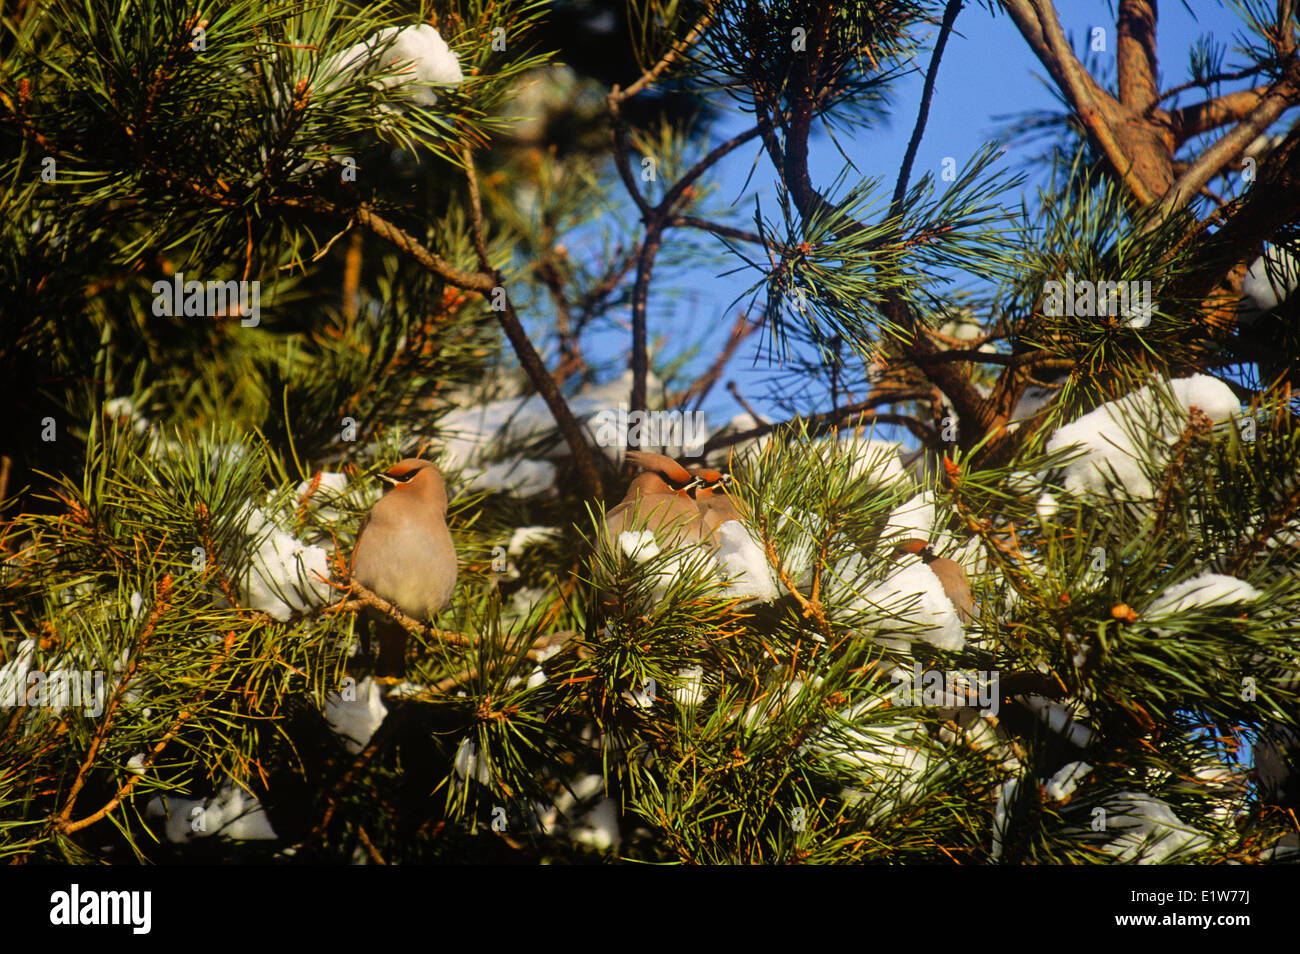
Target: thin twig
column 859, row 413
column 649, row 77
column 923, row 111
column 584, row 459
column 700, row 389
column 1209, row 81
column 371, row 850
column 64, row 818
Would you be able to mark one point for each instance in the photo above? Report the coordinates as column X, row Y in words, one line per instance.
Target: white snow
column 750, row 448
column 642, row 697
column 519, row 478
column 796, row 534
column 524, row 537
column 230, row 814
column 356, row 718
column 872, row 461
column 912, row 518
column 739, row 565
column 1006, row 793
column 578, row 792
column 1060, row 720
column 1226, row 785
column 1150, row 833
column 744, row 565
column 889, row 759
column 639, row 545
column 689, row 691
column 332, row 488
column 421, row 50
column 469, row 764
column 777, row 700
column 123, row 409
column 472, row 434
column 1116, row 437
column 744, row 562
column 1032, row 400
column 548, row 652
column 1269, row 281
column 910, row 602
column 286, row 575
column 599, row 828
column 1062, row 784
column 1200, row 592
column 982, row 736
column 539, row 94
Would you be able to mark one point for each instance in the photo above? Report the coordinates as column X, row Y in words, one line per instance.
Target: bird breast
column 414, row 569
column 672, row 518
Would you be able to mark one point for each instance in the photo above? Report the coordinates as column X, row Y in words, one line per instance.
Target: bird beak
column 388, row 479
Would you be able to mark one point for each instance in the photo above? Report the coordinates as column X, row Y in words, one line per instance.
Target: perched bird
column 404, row 554
column 951, row 576
column 658, row 500
column 715, row 503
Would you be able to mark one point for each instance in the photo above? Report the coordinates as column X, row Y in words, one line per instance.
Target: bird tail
column 391, row 665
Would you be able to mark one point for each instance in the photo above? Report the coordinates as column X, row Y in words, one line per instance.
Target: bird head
column 919, row 547
column 660, row 474
column 709, row 482
column 416, row 476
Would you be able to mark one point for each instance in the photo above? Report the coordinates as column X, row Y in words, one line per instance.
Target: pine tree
column 255, row 254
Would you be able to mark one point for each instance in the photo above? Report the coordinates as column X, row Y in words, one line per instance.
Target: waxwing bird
column 951, row 576
column 658, row 500
column 405, row 554
column 714, row 500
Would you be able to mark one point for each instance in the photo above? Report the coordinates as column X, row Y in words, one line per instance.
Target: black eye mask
column 395, row 479
column 703, row 483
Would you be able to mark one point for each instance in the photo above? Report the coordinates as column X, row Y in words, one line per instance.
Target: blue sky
column 987, row 72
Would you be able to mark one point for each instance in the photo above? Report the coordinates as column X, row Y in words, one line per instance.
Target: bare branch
column 1280, row 97
column 1208, row 81
column 857, row 413
column 1136, row 54
column 583, row 456
column 400, row 239
column 923, row 111
column 1037, row 22
column 742, row 329
column 650, row 76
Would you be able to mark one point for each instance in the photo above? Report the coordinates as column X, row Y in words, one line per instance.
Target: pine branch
column 583, row 455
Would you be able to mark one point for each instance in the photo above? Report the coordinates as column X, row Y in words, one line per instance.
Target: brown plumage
column 951, row 576
column 658, row 500
column 715, row 503
column 405, row 554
